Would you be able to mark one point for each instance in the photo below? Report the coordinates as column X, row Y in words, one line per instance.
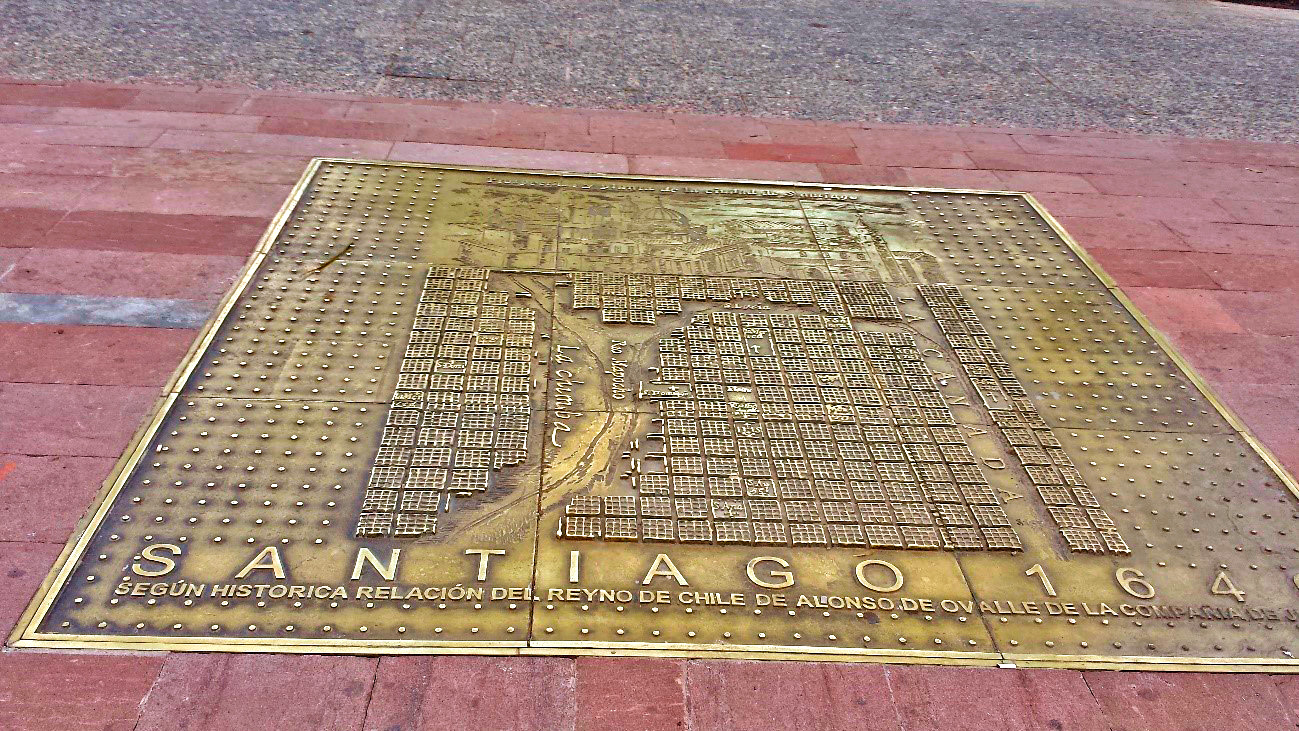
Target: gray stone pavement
column 1193, row 67
column 73, row 309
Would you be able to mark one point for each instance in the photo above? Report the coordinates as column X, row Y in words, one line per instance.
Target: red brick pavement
column 160, row 191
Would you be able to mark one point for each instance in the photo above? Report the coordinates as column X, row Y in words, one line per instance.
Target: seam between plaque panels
column 958, row 555
column 966, row 577
column 839, row 277
column 816, row 241
column 985, row 620
column 544, row 443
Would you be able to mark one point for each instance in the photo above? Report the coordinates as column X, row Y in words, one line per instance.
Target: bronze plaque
column 490, row 411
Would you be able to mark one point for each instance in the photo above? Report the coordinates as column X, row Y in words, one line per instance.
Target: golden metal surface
column 488, row 411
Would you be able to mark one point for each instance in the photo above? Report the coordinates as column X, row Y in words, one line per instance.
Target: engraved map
column 513, row 412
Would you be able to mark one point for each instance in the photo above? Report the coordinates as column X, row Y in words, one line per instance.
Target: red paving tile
column 154, row 118
column 66, row 95
column 23, row 226
column 197, row 692
column 66, row 134
column 156, row 233
column 53, row 192
column 1084, row 205
column 573, row 141
column 1144, row 268
column 293, row 93
column 48, row 692
column 989, row 141
column 295, row 106
column 1111, row 147
column 187, row 100
column 1268, row 410
column 90, row 354
column 505, row 157
column 935, row 139
column 1237, row 238
column 1267, row 213
column 1123, row 233
column 343, row 128
column 519, row 119
column 1242, row 357
column 722, row 128
column 449, row 691
column 952, row 178
column 1238, row 151
column 1267, row 313
column 489, row 138
column 148, row 162
column 647, row 694
column 1241, row 175
column 786, row 695
column 1251, row 272
column 1180, row 310
column 631, row 125
column 271, row 144
column 210, row 166
column 786, row 152
column 25, row 114
column 739, row 169
column 808, row 133
column 973, row 699
column 123, row 274
column 1231, row 180
column 1288, row 687
column 34, row 158
column 449, row 115
column 182, row 197
column 76, row 421
column 922, row 157
column 1060, row 700
column 23, row 567
column 9, row 258
column 1040, row 182
column 1006, row 160
column 42, row 498
column 1188, row 702
column 1192, row 182
column 669, row 146
column 862, row 175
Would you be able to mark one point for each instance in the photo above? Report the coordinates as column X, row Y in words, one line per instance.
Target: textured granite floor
column 1191, row 67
